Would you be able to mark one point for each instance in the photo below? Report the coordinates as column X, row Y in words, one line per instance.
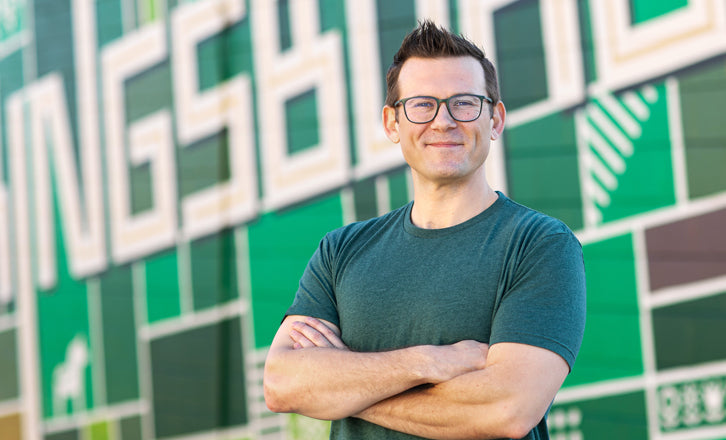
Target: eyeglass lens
column 463, row 108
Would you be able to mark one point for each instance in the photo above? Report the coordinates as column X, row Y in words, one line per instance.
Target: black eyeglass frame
column 482, row 98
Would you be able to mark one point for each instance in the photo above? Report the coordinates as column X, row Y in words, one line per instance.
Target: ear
column 390, row 124
column 499, row 114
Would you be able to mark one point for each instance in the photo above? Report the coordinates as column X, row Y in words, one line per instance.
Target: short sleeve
column 315, row 295
column 545, row 303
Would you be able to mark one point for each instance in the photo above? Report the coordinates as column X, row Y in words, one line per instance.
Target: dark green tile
column 520, row 55
column 702, row 94
column 119, row 335
column 621, row 416
column 9, row 387
column 690, row 332
column 130, row 428
column 214, row 270
column 365, row 199
column 198, row 380
column 542, row 167
column 301, row 122
column 398, row 188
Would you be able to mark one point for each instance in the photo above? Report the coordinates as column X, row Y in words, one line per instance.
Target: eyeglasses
column 423, row 109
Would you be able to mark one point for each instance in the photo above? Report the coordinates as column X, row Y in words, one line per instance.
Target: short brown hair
column 431, row 41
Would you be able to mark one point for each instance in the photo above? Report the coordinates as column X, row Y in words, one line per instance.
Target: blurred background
column 167, row 168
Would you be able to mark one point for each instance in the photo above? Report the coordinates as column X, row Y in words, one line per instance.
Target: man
column 457, row 316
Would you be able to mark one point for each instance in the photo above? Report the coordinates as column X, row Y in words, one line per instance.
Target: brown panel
column 10, row 427
column 689, row 250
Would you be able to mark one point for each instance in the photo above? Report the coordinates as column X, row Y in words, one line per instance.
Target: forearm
column 329, row 383
column 450, row 410
column 504, row 400
column 310, row 371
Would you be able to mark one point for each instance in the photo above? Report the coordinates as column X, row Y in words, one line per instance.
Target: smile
column 444, row 144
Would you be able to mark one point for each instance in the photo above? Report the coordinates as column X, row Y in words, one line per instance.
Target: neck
column 439, row 206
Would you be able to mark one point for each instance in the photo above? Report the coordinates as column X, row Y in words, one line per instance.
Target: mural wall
column 167, row 167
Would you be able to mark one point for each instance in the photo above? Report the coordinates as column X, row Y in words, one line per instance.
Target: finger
column 311, row 334
column 331, row 335
column 300, row 340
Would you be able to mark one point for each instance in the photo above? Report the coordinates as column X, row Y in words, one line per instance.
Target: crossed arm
column 475, row 391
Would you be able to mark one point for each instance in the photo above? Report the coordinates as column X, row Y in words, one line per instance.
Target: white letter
column 150, row 140
column 375, row 151
column 314, row 62
column 50, row 128
column 206, row 113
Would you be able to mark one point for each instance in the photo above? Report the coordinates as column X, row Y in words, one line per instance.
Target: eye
column 421, row 103
column 465, row 101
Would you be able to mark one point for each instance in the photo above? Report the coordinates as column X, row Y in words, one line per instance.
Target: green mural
column 168, row 167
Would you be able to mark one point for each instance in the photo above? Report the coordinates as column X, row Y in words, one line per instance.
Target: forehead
column 441, row 77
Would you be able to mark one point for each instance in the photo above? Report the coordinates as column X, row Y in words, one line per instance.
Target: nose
column 443, row 118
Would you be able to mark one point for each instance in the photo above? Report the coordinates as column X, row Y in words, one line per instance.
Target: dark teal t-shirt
column 510, row 274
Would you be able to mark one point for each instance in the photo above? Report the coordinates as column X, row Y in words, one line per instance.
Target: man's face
column 443, row 150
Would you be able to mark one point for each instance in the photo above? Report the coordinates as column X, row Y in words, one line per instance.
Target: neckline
column 440, row 232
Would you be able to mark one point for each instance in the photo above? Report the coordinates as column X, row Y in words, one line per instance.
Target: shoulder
column 362, row 231
column 528, row 225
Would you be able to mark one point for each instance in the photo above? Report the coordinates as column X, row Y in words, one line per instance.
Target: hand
column 453, row 360
column 314, row 333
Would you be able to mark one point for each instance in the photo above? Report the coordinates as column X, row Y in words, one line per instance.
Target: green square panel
column 140, row 181
column 65, row 435
column 627, row 153
column 214, row 270
column 520, row 55
column 690, row 332
column 283, row 19
column 8, row 366
column 204, row 163
column 394, row 20
column 693, row 404
column 280, row 245
column 64, row 339
column 11, row 71
column 620, row 416
column 130, row 428
column 301, row 118
column 644, row 10
column 148, row 92
column 14, row 20
column 199, row 380
column 398, row 188
column 612, row 314
column 542, row 167
column 332, row 15
column 365, row 200
column 703, row 92
column 119, row 335
column 98, row 431
column 225, row 55
column 109, row 21
column 162, row 287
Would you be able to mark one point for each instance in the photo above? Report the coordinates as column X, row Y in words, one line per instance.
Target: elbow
column 273, row 390
column 517, row 429
column 504, row 422
column 516, row 423
column 274, row 402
